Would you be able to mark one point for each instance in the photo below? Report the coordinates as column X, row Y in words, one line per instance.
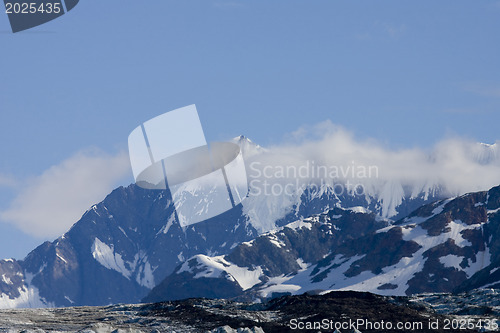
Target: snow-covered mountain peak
column 241, row 138
column 247, row 146
column 487, row 153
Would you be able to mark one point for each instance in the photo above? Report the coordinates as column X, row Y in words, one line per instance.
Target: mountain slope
column 440, row 247
column 118, row 251
column 124, row 246
column 276, row 253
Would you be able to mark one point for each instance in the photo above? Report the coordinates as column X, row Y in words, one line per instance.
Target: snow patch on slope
column 393, row 280
column 29, row 297
column 167, row 226
column 105, row 255
column 213, row 267
column 482, row 259
column 145, row 275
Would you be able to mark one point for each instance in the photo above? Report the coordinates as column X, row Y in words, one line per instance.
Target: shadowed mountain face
column 448, row 245
column 117, row 252
column 124, row 246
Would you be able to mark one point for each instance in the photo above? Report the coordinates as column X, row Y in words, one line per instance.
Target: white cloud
column 455, row 165
column 382, row 29
column 394, row 31
column 47, row 205
column 482, row 89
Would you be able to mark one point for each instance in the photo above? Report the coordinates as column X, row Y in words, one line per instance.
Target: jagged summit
column 247, row 146
column 488, row 153
column 241, row 138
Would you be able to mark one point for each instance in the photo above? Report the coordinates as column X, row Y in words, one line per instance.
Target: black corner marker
column 26, row 14
column 70, row 4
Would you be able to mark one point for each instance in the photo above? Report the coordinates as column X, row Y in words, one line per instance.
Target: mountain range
column 446, row 246
column 394, row 240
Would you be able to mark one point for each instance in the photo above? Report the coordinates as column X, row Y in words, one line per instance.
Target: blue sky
column 405, row 73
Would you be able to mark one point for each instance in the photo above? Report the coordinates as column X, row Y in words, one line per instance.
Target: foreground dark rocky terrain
column 363, row 311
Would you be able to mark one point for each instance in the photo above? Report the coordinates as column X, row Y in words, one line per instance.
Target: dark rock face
column 378, row 250
column 386, row 286
column 276, row 253
column 176, row 286
column 441, row 247
column 465, row 217
column 489, row 276
column 309, row 244
column 11, row 275
column 120, row 249
column 463, row 208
